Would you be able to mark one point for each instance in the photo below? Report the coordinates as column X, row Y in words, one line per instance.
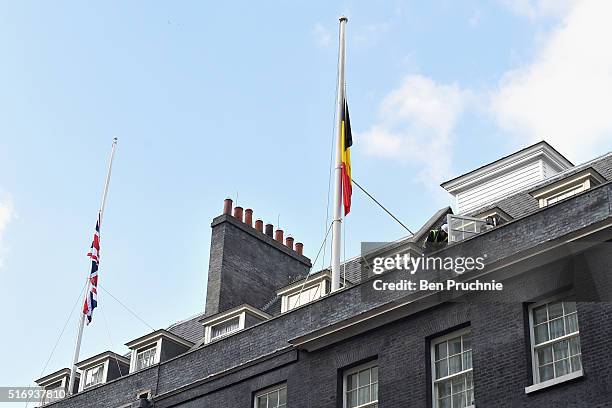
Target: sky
column 236, row 99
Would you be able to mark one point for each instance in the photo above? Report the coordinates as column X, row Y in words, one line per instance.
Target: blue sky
column 211, row 100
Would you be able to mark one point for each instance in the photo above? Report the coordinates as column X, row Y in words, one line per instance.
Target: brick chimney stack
column 246, row 264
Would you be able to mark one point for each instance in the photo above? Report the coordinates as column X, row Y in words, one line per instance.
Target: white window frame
column 353, row 370
column 241, row 322
column 268, row 391
column 104, row 375
column 321, row 282
column 477, row 224
column 223, row 317
column 537, row 384
column 153, row 346
column 434, row 380
column 582, row 181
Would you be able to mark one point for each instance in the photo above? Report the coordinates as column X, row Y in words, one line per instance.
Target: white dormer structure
column 102, row 368
column 505, row 176
column 231, row 321
column 154, row 348
column 302, row 292
column 57, row 384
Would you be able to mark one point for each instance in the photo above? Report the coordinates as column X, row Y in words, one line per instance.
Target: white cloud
column 322, row 35
column 540, row 8
column 565, row 94
column 416, row 126
column 6, row 215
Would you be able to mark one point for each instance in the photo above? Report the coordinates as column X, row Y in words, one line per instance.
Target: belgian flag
column 346, row 138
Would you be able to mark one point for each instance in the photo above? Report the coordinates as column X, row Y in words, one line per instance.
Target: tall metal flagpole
column 77, row 348
column 337, row 222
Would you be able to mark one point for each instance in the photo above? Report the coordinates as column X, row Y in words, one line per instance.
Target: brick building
column 272, row 334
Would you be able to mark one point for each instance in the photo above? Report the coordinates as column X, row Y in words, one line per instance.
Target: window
column 225, row 328
column 460, row 227
column 275, row 397
column 564, row 194
column 146, row 357
column 555, row 340
column 306, row 296
column 52, row 396
column 567, row 187
column 361, row 387
column 94, row 375
column 305, row 291
column 451, row 359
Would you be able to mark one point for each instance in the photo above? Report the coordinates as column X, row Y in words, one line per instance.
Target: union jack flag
column 91, row 301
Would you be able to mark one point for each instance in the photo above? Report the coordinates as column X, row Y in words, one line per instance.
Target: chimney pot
column 289, row 242
column 278, row 236
column 259, row 225
column 248, row 217
column 227, row 206
column 238, row 213
column 299, row 248
column 269, row 229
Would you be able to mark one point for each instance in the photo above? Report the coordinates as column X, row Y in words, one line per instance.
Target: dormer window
column 101, row 369
column 567, row 187
column 224, row 328
column 57, row 385
column 154, row 348
column 231, row 321
column 94, row 376
column 146, row 357
column 301, row 293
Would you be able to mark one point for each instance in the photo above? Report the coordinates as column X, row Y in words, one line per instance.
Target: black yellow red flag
column 346, row 138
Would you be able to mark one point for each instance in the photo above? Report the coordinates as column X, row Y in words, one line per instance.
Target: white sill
column 554, row 381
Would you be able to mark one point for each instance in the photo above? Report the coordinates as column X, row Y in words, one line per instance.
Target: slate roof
column 189, row 329
column 522, row 203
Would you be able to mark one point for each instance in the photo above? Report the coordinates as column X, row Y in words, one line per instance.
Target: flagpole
column 77, row 348
column 337, row 221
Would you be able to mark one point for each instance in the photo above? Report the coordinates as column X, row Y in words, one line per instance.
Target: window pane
column 459, row 400
column 556, row 328
column 282, row 396
column 440, row 351
column 555, row 310
column 561, row 368
column 364, row 395
column 262, row 402
column 574, row 343
column 351, row 382
column 539, row 315
column 441, row 369
column 560, row 350
column 570, row 307
column 541, row 333
column 576, row 363
column 444, row 389
column 545, row 355
column 469, row 380
column 458, row 384
column 375, row 392
column 444, row 403
column 454, row 364
column 467, row 342
column 470, row 397
column 374, row 374
column 571, row 323
column 364, row 377
column 454, row 346
column 546, row 372
column 467, row 360
column 351, row 399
